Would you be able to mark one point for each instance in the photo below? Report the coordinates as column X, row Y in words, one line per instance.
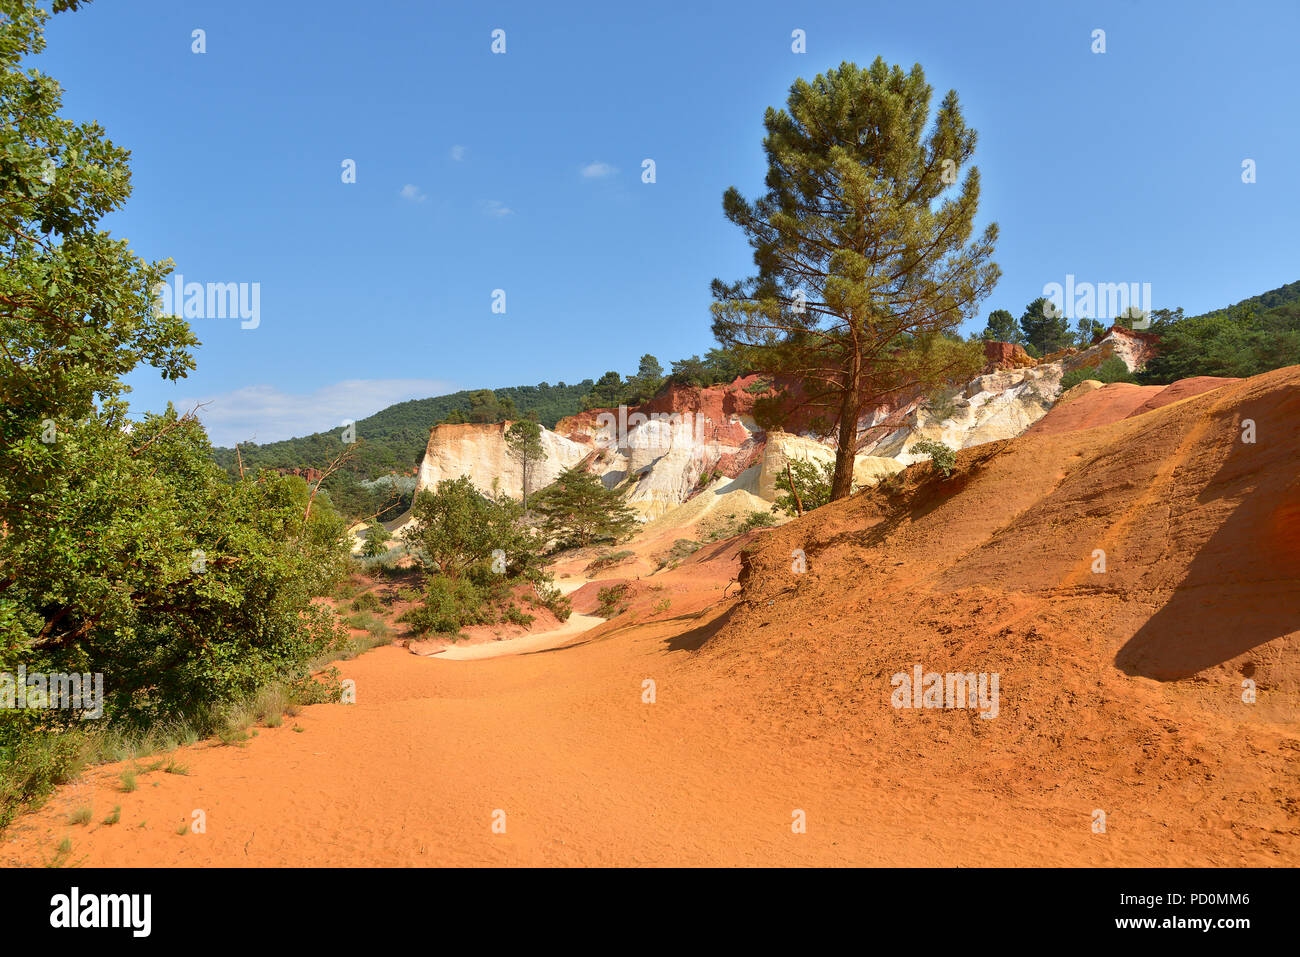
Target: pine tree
column 376, row 540
column 864, row 266
column 524, row 443
column 1045, row 326
column 1002, row 327
column 578, row 509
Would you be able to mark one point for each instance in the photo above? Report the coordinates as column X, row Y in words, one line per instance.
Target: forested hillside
column 393, row 439
column 1255, row 335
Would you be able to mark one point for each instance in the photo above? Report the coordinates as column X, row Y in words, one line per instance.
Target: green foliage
column 942, row 404
column 1086, row 330
column 126, row 552
column 457, row 528
column 681, row 548
column 1253, row 336
column 394, row 439
column 943, row 458
column 474, row 549
column 864, row 244
column 142, row 561
column 612, row 601
column 610, row 390
column 1043, row 329
column 524, row 444
column 377, row 539
column 366, row 601
column 643, row 386
column 609, row 560
column 480, row 597
column 1111, row 370
column 450, row 604
column 733, row 524
column 577, row 509
column 606, row 392
column 1002, row 327
column 485, row 406
column 812, row 480
column 547, row 595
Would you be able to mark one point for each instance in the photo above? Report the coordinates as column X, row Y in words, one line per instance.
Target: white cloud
column 597, row 170
column 494, row 207
column 268, row 414
column 458, row 152
column 412, row 193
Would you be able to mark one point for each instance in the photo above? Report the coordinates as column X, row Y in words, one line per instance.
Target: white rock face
column 999, row 405
column 783, row 448
column 661, row 461
column 665, row 458
column 480, row 452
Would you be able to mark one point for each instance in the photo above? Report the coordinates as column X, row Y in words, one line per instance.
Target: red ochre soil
column 1119, row 691
column 1120, row 400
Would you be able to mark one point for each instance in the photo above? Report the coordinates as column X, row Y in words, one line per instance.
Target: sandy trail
column 576, row 625
column 564, row 745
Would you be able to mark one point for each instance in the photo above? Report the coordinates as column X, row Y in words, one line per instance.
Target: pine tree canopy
column 863, row 244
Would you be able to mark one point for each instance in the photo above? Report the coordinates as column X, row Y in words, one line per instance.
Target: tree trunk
column 846, row 444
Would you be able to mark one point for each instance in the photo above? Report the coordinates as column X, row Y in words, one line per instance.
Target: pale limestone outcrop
column 1001, row 404
column 783, row 447
column 480, row 452
column 665, row 458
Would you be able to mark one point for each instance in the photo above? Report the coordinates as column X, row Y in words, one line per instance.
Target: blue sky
column 522, row 171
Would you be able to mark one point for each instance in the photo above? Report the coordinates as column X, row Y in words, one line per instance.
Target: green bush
column 448, row 605
column 611, row 601
column 516, row 616
column 1111, row 370
column 366, row 601
column 943, row 458
column 548, row 596
column 609, row 560
column 812, row 480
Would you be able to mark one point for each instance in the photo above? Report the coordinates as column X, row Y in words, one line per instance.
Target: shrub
column 516, row 616
column 682, row 548
column 610, row 560
column 376, row 541
column 548, row 596
column 943, row 458
column 812, row 480
column 448, row 605
column 1111, row 370
column 611, row 601
column 368, row 622
column 366, row 601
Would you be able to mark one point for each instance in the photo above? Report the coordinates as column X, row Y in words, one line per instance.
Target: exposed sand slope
column 1119, row 692
column 1118, row 400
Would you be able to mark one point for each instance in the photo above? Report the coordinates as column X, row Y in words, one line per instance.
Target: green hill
column 1249, row 337
column 393, row 440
